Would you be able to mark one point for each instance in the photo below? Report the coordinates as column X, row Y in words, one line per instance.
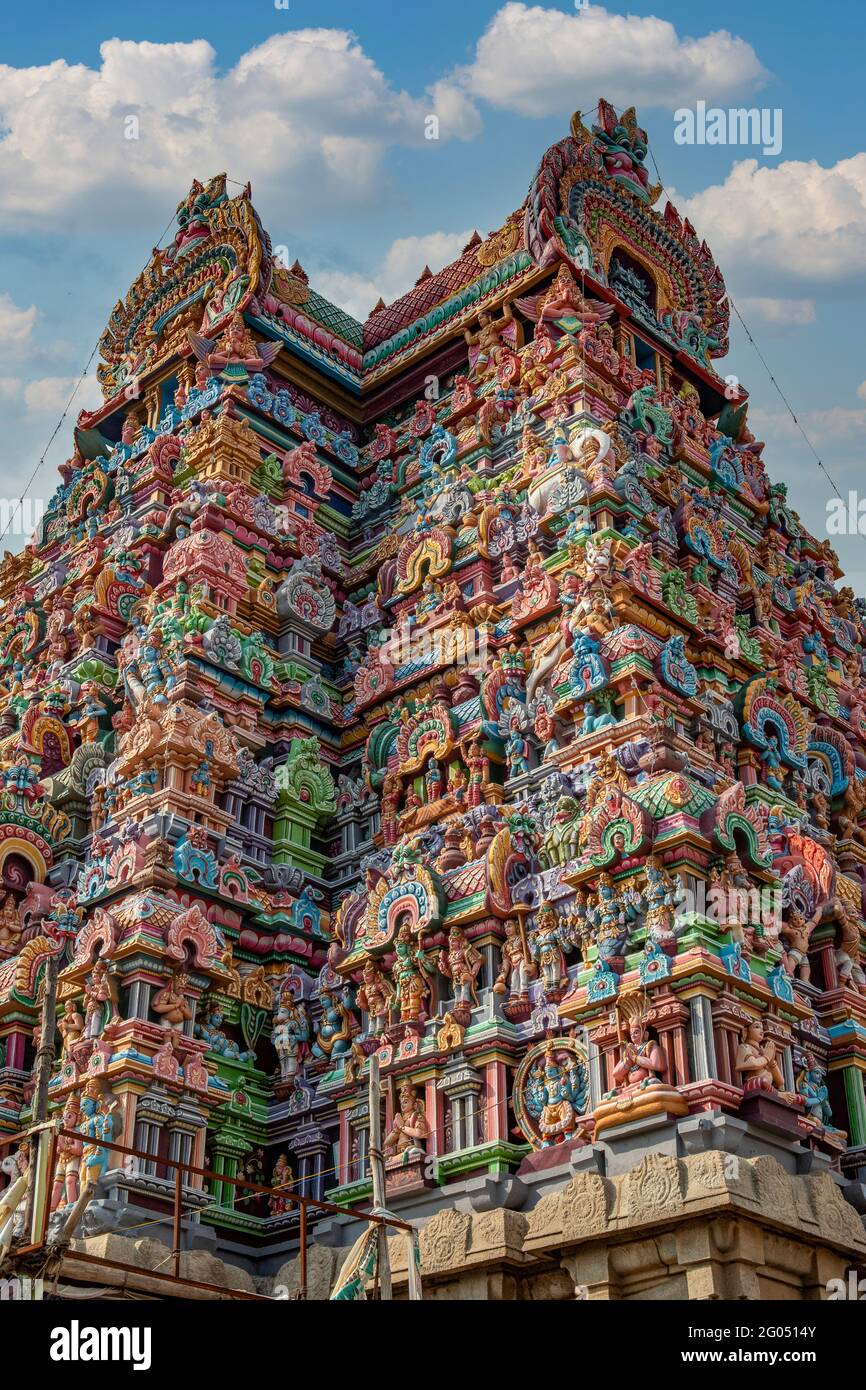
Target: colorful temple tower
column 457, row 688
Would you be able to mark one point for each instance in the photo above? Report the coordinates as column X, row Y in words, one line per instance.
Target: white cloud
column 357, row 292
column 48, row 395
column 780, row 312
column 540, row 62
column 861, row 390
column 836, row 422
column 306, row 114
column 797, row 222
column 16, row 325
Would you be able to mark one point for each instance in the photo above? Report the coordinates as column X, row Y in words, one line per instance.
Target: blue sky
column 323, row 105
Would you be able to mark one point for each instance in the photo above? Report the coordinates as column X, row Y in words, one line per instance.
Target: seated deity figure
column 171, row 1003
column 410, row 1128
column 641, row 1074
column 756, row 1064
column 642, row 1060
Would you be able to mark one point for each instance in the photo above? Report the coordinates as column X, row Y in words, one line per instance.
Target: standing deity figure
column 659, row 897
column 812, row 1087
column 291, row 1033
column 460, row 963
column 409, row 972
column 795, row 934
column 476, row 762
column 433, row 781
column 67, row 1159
column 642, row 1060
column 847, row 954
column 611, row 912
column 853, row 805
column 547, row 941
column 579, row 926
column 756, row 1063
column 375, row 995
column 100, row 1001
column 410, row 1128
column 280, row 1177
column 171, row 1003
column 517, row 967
column 97, row 1124
column 70, row 1026
column 516, row 749
column 729, row 900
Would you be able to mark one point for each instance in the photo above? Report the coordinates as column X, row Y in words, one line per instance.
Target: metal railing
column 42, row 1162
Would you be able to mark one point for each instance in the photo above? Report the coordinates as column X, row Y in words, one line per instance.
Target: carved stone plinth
column 408, row 1174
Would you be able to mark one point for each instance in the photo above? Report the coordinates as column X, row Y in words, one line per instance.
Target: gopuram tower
column 454, row 689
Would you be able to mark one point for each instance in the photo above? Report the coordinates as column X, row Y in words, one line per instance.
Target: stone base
column 662, row 1101
column 711, row 1225
column 407, row 1174
column 767, row 1109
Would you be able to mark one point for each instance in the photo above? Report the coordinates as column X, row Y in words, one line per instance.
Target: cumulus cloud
column 533, row 60
column 306, row 113
column 781, row 313
column 797, row 222
column 49, row 395
column 357, row 292
column 16, row 324
column 836, row 422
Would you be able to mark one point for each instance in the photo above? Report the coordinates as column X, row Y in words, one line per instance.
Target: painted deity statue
column 547, row 943
column 460, row 963
column 796, row 933
column 291, row 1033
column 171, row 1003
column 334, row 1033
column 756, row 1064
column 556, row 1096
column 659, row 898
column 811, row 1086
column 70, row 1026
column 375, row 996
column 280, row 1177
column 10, row 923
column 517, row 967
column 410, row 1128
column 847, row 955
column 611, row 913
column 67, row 1159
column 409, row 973
column 100, row 1001
column 516, row 750
column 97, row 1124
column 642, row 1061
column 487, row 341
